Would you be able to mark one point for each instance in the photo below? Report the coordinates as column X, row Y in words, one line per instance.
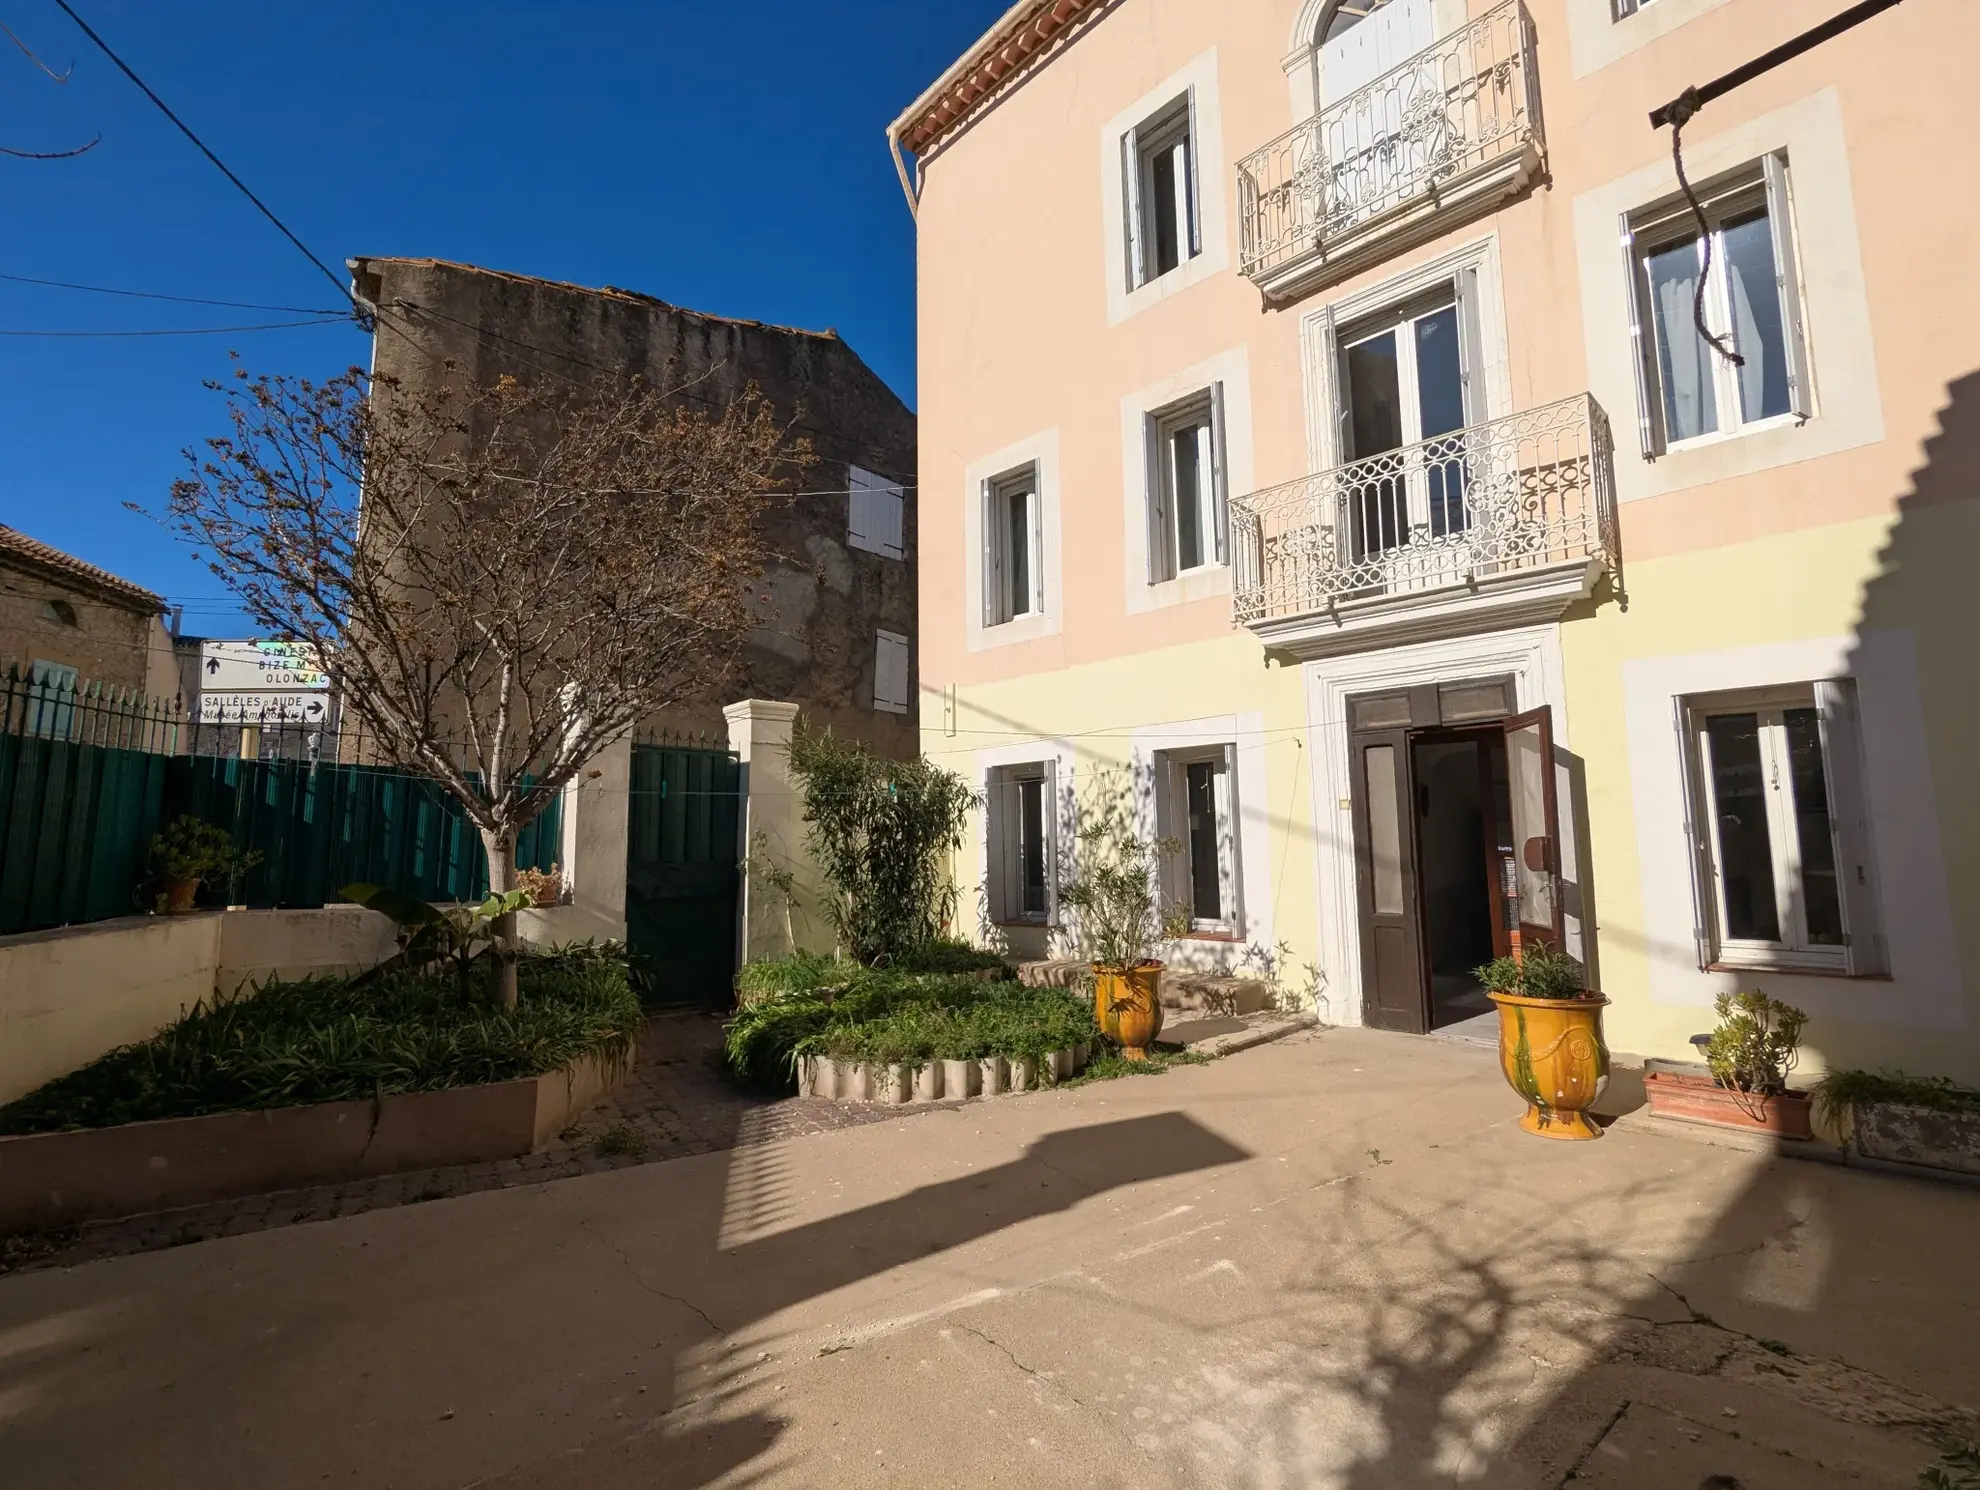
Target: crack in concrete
column 1581, row 1460
column 1005, row 1351
column 632, row 1271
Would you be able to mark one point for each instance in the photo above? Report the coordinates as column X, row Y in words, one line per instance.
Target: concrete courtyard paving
column 1328, row 1262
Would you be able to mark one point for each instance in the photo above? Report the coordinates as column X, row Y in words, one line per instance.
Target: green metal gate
column 683, row 870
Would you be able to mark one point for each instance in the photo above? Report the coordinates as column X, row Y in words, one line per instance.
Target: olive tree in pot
column 1757, row 1043
column 1550, row 1038
column 1121, row 919
column 191, row 852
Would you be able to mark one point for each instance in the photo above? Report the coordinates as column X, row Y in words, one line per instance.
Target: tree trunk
column 501, row 849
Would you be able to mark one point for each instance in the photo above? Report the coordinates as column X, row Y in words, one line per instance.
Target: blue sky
column 726, row 157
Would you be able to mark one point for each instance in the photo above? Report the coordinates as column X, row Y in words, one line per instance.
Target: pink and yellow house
column 1344, row 442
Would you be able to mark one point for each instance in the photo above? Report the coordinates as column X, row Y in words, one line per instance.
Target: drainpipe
column 909, row 187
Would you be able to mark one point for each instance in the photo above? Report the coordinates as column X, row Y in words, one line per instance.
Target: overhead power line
column 339, row 319
column 63, row 284
column 220, row 165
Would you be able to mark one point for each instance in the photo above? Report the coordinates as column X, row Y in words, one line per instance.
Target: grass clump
column 1839, row 1091
column 811, row 1006
column 623, row 1140
column 328, row 1040
column 1111, row 1064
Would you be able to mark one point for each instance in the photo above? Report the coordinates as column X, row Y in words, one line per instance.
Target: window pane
column 1162, row 200
column 1684, row 367
column 1756, row 310
column 1031, row 847
column 1738, row 785
column 1188, row 497
column 1440, row 405
column 1384, row 829
column 1205, row 887
column 1017, row 562
column 1378, row 512
column 1821, row 892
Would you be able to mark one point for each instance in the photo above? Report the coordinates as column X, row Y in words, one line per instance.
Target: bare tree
column 500, row 579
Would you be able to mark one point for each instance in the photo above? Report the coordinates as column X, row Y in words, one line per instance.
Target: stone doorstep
column 1181, row 992
column 1227, row 1036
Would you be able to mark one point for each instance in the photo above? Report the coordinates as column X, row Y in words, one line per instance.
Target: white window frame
column 52, row 689
column 1862, row 953
column 1170, row 132
column 1129, row 292
column 893, row 672
column 1172, row 822
column 874, row 513
column 1647, row 230
column 1002, row 495
column 1202, row 413
column 1005, row 841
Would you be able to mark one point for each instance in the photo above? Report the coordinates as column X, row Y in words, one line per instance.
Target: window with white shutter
column 1023, row 844
column 1196, row 809
column 1159, row 177
column 1013, row 547
column 892, row 669
column 873, row 513
column 1786, row 876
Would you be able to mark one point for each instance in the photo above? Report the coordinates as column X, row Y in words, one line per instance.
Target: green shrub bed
column 330, row 1040
column 803, row 1005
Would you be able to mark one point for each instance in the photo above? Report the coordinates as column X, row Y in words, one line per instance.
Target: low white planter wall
column 938, row 1081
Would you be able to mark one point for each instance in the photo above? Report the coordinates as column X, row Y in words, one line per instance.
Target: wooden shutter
column 1220, row 476
column 1191, row 237
column 1051, row 815
column 999, row 844
column 888, row 505
column 1536, row 825
column 892, row 660
column 1330, row 409
column 1160, row 483
column 1794, row 332
column 1131, row 205
column 1643, row 348
column 1231, row 838
column 1471, row 349
column 1034, row 528
column 1849, row 806
column 992, row 557
column 859, row 512
column 1697, row 806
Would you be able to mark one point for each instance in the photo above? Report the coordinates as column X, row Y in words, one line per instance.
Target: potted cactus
column 1550, row 1038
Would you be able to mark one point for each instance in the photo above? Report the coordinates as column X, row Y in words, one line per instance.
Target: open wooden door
column 1392, row 973
column 1533, row 879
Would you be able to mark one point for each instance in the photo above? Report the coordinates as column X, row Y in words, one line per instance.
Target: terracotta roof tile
column 30, row 553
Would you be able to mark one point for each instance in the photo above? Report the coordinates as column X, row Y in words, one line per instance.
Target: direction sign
column 263, row 708
column 237, row 667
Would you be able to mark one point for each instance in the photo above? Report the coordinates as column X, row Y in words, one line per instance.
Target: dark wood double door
column 1456, row 843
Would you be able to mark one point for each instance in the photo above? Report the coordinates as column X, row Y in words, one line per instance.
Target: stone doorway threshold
column 1227, row 1034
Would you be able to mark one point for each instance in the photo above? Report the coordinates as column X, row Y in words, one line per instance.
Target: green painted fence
column 86, row 779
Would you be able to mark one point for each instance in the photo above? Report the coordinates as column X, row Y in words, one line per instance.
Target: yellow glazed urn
column 1552, row 1053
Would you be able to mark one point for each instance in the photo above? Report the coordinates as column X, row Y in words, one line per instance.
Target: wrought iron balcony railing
column 1486, row 505
column 1457, row 121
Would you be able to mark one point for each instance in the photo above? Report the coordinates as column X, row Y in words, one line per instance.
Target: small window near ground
column 1188, row 525
column 1781, row 831
column 893, row 662
column 1023, row 844
column 1196, row 808
column 1159, row 172
column 1743, row 261
column 1013, row 547
column 873, row 513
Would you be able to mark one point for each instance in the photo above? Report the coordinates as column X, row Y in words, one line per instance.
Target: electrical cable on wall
column 1682, row 109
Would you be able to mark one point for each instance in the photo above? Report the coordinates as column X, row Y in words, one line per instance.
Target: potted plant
column 1750, row 1054
column 1927, row 1121
column 191, row 852
column 1120, row 921
column 1550, row 1038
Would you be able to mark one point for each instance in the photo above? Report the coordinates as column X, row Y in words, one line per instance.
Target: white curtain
column 1686, row 373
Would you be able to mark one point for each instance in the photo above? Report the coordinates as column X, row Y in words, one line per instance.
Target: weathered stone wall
column 826, row 598
column 108, row 643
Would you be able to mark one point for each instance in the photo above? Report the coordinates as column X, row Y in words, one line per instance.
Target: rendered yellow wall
column 1910, row 576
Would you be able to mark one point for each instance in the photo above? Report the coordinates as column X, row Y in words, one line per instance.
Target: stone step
column 1183, row 993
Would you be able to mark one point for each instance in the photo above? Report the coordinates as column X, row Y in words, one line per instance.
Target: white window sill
column 1727, row 436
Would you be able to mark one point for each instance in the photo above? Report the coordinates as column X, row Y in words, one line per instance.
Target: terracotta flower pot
column 180, row 895
column 1700, row 1099
column 1552, row 1053
column 1127, row 1006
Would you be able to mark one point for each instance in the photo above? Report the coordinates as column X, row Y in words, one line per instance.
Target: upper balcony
column 1452, row 131
column 1498, row 524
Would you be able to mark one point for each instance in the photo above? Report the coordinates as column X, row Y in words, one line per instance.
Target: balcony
column 1500, row 524
column 1452, row 131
